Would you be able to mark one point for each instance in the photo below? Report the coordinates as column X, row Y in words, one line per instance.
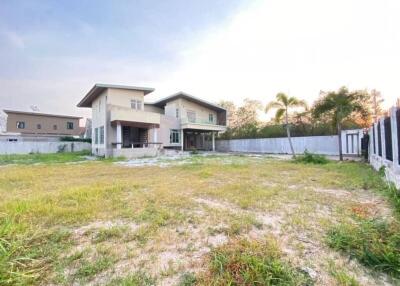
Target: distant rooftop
column 98, row 88
column 162, row 102
column 7, row 111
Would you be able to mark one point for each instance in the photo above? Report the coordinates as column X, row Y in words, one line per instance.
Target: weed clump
column 310, row 158
column 374, row 243
column 251, row 263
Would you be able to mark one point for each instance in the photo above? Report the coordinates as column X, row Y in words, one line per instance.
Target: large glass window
column 20, row 124
column 174, row 136
column 211, row 118
column 70, row 125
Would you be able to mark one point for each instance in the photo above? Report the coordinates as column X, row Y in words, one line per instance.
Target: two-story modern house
column 123, row 124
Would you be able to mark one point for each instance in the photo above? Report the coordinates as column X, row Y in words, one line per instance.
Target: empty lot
column 246, row 220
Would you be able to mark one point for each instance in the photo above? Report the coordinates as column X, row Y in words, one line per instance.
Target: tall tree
column 282, row 105
column 339, row 106
column 231, row 112
column 247, row 114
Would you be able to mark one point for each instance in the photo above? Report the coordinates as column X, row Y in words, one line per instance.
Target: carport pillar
column 182, row 139
column 213, row 140
column 119, row 135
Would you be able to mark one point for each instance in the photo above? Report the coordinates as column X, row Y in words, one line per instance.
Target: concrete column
column 155, row 136
column 182, row 139
column 393, row 125
column 213, row 140
column 382, row 123
column 376, row 139
column 119, row 135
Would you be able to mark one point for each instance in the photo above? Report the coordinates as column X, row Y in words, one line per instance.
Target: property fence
column 26, row 147
column 385, row 145
column 325, row 145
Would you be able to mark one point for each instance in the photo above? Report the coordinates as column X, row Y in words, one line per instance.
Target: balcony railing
column 198, row 121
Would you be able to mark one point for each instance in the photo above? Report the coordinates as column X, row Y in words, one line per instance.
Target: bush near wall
column 251, row 131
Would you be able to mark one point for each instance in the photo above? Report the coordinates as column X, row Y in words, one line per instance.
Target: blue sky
column 52, row 52
column 77, row 43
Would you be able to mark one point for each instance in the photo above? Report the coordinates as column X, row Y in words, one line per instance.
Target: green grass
column 135, row 279
column 43, row 158
column 342, row 277
column 90, row 268
column 251, row 263
column 373, row 243
column 42, row 205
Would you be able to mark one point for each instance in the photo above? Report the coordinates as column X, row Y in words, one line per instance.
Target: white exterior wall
column 326, row 145
column 392, row 168
column 27, row 147
column 99, row 119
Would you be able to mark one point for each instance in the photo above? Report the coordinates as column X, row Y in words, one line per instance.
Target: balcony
column 124, row 114
column 201, row 124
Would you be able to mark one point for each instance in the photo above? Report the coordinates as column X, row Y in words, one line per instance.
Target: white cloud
column 14, row 39
column 298, row 47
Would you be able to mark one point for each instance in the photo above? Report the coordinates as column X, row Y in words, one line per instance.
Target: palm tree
column 340, row 106
column 282, row 105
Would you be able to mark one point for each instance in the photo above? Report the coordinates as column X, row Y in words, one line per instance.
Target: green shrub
column 251, row 263
column 373, row 243
column 187, row 279
column 309, row 158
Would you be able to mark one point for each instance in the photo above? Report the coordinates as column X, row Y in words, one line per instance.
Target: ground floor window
column 174, row 136
column 96, row 136
column 102, row 135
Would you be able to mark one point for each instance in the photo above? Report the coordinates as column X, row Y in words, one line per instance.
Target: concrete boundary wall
column 392, row 167
column 325, row 145
column 26, row 147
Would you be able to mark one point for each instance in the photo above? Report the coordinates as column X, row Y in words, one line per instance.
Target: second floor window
column 39, row 126
column 177, row 113
column 70, row 125
column 54, row 127
column 136, row 104
column 211, row 118
column 20, row 125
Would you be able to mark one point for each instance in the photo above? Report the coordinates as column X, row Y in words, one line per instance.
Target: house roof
column 98, row 88
column 162, row 102
column 7, row 111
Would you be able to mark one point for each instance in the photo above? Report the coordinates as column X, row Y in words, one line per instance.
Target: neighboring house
column 124, row 125
column 41, row 124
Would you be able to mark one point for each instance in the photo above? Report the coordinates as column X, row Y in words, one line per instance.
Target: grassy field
column 214, row 220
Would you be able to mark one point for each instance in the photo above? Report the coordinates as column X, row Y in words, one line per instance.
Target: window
column 102, row 135
column 39, row 126
column 211, row 117
column 177, row 113
column 191, row 115
column 96, row 136
column 70, row 125
column 136, row 104
column 12, row 140
column 174, row 136
column 55, row 127
column 20, row 125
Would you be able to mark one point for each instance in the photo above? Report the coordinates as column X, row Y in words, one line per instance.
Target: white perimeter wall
column 41, row 147
column 326, row 145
